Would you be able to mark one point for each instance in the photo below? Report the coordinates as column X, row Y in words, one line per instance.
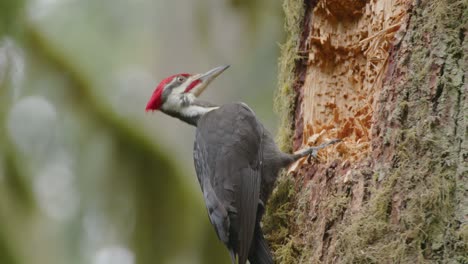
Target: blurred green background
column 86, row 176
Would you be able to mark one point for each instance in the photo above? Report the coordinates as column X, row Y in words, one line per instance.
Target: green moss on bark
column 278, row 221
column 285, row 95
column 278, row 218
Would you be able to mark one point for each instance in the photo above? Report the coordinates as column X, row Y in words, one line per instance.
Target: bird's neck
column 192, row 112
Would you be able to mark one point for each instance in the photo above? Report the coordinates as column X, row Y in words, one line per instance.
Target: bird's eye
column 180, row 79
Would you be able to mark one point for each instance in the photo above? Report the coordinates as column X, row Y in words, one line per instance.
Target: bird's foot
column 331, row 142
column 314, row 150
column 312, row 154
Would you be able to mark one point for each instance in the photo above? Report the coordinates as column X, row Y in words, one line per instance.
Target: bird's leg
column 313, row 151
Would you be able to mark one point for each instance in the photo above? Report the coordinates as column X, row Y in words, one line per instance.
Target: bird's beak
column 204, row 79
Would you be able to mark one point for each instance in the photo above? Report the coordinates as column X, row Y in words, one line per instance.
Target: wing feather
column 249, row 197
column 228, row 159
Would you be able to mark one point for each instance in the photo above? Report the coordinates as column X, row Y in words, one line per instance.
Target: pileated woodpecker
column 236, row 160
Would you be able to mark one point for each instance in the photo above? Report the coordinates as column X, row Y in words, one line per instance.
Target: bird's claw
column 313, row 154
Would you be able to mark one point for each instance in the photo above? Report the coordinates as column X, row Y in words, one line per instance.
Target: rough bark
column 388, row 77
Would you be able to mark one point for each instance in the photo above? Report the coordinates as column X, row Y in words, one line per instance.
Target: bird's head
column 177, row 92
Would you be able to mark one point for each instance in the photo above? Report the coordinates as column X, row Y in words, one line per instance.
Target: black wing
column 228, row 160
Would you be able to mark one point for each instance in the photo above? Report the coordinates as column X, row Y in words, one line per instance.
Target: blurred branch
column 6, row 252
column 9, row 11
column 15, row 179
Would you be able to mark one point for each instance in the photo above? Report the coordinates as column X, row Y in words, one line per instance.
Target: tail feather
column 260, row 252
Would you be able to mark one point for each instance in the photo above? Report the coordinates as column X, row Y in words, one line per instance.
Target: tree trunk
column 387, row 77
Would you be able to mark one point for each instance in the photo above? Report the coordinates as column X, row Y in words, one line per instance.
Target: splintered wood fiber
column 347, row 48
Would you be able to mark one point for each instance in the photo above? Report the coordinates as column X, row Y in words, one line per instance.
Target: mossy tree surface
column 402, row 197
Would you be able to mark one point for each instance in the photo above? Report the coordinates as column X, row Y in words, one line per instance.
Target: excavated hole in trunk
column 348, row 49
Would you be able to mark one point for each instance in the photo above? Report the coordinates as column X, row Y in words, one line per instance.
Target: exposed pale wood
column 347, row 56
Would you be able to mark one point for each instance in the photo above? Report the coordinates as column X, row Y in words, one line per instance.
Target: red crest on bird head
column 155, row 101
column 181, row 84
